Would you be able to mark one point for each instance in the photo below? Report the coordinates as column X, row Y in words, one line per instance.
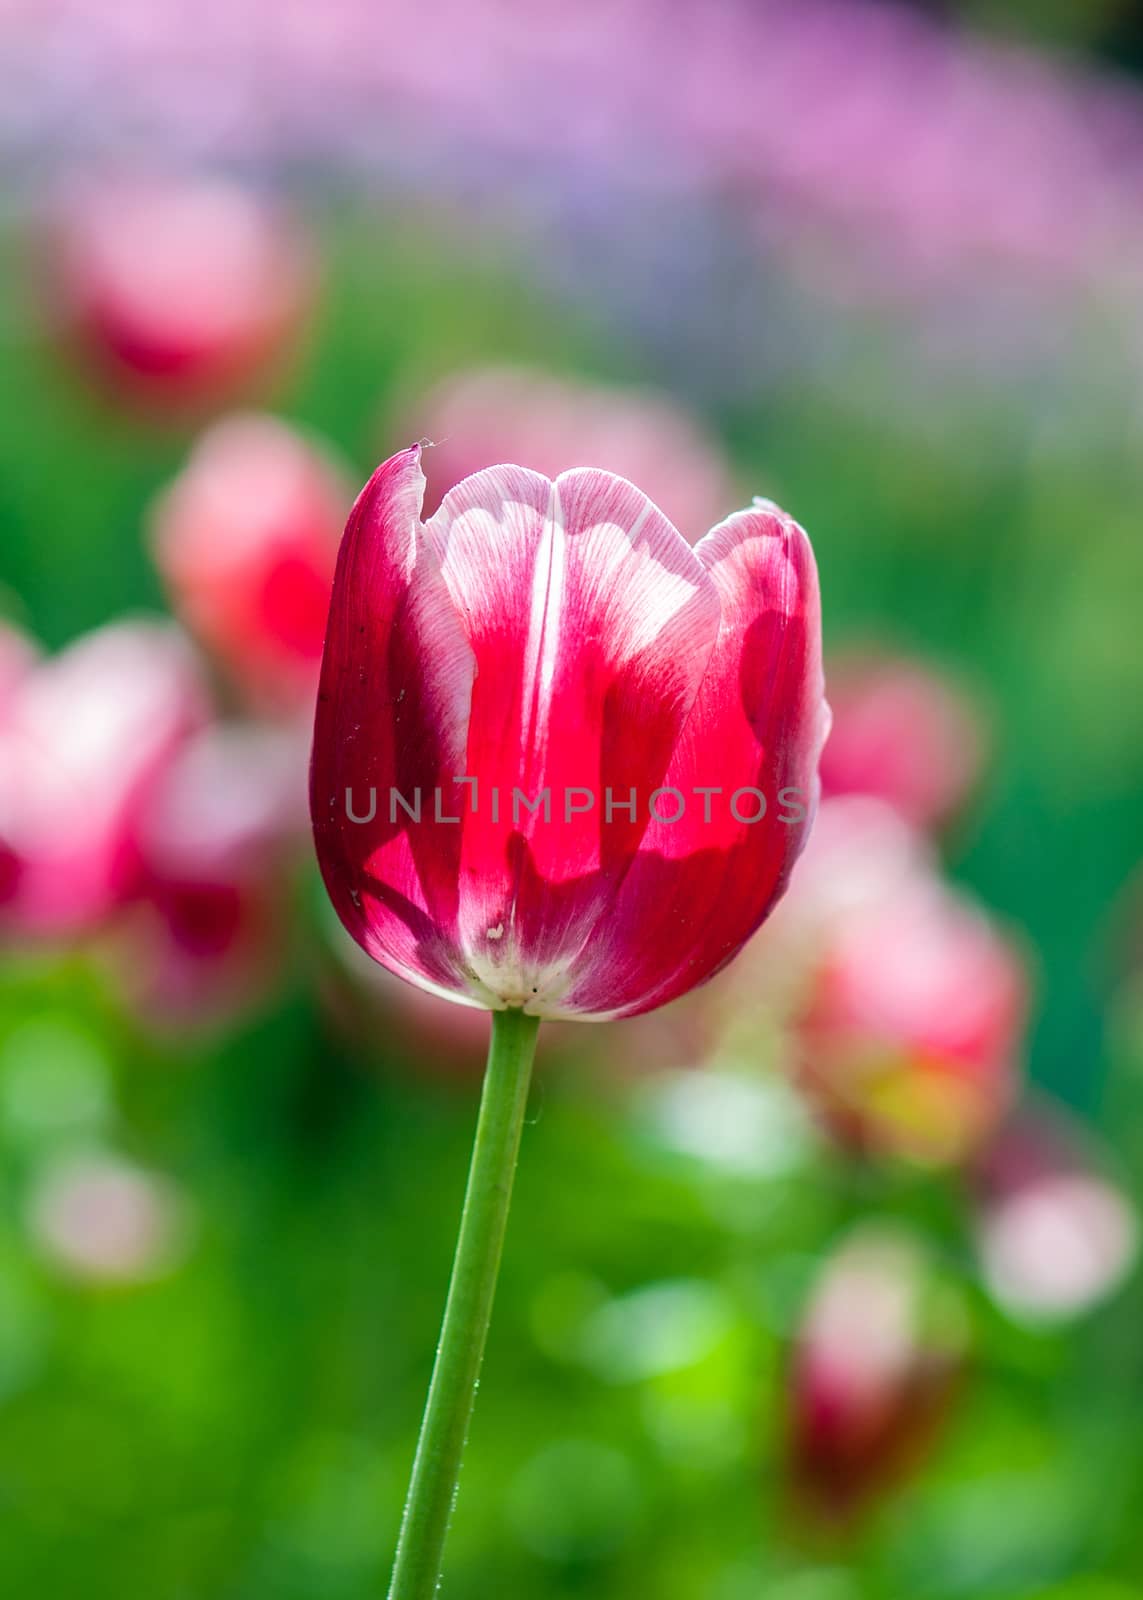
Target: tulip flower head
column 562, row 760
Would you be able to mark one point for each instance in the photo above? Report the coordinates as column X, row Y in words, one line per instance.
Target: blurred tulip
column 86, row 739
column 910, row 1027
column 206, row 933
column 562, row 640
column 246, row 538
column 903, row 733
column 1056, row 1235
column 861, row 854
column 878, row 1361
column 104, row 1220
column 495, row 414
column 181, row 291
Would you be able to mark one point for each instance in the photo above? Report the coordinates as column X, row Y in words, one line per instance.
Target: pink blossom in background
column 908, row 1033
column 246, row 539
column 489, row 415
column 181, row 291
column 930, row 151
column 104, row 1220
column 86, row 739
column 205, row 934
column 1056, row 1233
column 903, row 732
column 564, row 638
column 860, row 855
column 879, row 1358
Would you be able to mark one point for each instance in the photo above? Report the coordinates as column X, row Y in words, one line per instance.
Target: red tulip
column 562, row 761
column 877, row 1365
column 83, row 745
column 179, row 290
column 903, row 733
column 495, row 414
column 246, row 538
column 911, row 1024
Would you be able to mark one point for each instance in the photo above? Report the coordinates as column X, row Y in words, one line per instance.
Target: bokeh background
column 820, row 1284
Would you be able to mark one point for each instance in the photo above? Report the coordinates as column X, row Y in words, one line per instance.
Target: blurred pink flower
column 1056, row 1234
column 903, row 732
column 85, row 740
column 182, row 291
column 878, row 1361
column 910, row 1028
column 489, row 415
column 246, row 538
column 105, row 1220
column 206, row 933
column 860, row 854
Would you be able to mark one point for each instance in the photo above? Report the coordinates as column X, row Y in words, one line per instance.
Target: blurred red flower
column 910, row 1029
column 85, row 739
column 903, row 732
column 181, row 292
column 878, row 1361
column 246, row 539
column 206, row 931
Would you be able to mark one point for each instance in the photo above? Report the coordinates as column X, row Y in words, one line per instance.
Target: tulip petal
column 392, row 712
column 701, row 886
column 591, row 622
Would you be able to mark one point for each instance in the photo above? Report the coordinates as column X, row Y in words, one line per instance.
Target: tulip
column 246, row 539
column 493, row 414
column 910, row 1028
column 878, row 1361
column 563, row 766
column 178, row 291
column 1056, row 1234
column 903, row 733
column 630, row 727
column 86, row 738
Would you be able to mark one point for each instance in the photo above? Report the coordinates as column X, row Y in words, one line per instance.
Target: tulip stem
column 452, row 1391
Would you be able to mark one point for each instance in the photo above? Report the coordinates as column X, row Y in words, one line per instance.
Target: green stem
column 436, row 1468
